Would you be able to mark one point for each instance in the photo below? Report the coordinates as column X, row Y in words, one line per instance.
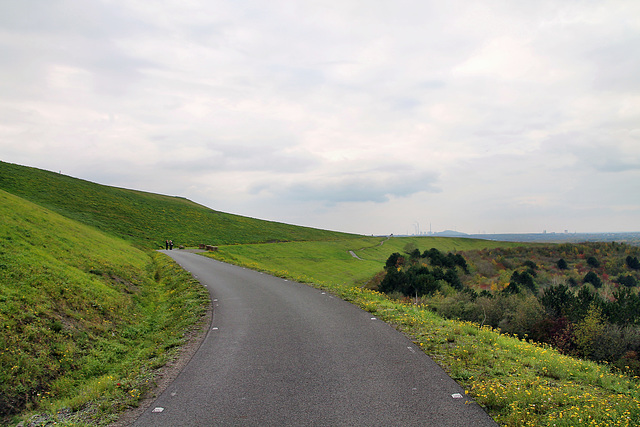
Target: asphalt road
column 280, row 353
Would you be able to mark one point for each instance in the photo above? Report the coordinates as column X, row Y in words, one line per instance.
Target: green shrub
column 589, row 330
column 592, row 278
column 627, row 280
column 593, row 262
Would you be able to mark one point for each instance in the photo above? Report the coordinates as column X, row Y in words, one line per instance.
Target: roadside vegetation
column 86, row 318
column 520, row 381
column 582, row 299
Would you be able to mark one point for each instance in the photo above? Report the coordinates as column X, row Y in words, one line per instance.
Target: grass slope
column 85, row 317
column 332, row 260
column 144, row 218
column 520, row 383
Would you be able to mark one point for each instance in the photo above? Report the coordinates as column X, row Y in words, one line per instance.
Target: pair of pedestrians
column 168, row 244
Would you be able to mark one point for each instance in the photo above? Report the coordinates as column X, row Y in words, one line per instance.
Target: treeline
column 582, row 299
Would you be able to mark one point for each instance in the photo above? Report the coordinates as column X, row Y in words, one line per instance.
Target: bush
column 632, row 262
column 520, row 314
column 525, row 279
column 628, row 280
column 609, row 345
column 558, row 300
column 562, row 264
column 593, row 278
column 592, row 262
column 417, row 280
column 589, row 331
column 458, row 305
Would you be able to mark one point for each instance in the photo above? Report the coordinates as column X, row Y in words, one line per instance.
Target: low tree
column 585, row 298
column 394, row 281
column 589, row 330
column 525, row 279
column 628, row 280
column 593, row 278
column 394, row 260
column 462, row 263
column 625, row 309
column 632, row 262
column 557, row 300
column 562, row 264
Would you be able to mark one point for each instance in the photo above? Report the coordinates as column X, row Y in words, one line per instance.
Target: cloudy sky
column 360, row 116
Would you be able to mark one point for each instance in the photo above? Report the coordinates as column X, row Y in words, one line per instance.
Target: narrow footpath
column 280, row 353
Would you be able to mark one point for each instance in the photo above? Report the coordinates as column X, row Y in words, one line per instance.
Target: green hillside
column 144, row 218
column 85, row 316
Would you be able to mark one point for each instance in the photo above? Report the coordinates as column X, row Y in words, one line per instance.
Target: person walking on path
column 166, row 244
column 170, row 245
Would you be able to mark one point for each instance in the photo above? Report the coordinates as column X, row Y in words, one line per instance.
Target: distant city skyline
column 363, row 117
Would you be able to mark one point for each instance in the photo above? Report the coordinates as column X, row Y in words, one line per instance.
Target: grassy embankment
column 86, row 317
column 520, row 383
column 145, row 219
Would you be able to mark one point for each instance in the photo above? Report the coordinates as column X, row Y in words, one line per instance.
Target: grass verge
column 86, row 318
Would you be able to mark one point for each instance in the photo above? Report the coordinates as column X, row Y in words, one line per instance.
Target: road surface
column 280, row 353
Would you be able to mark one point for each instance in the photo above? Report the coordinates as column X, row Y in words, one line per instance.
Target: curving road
column 280, row 353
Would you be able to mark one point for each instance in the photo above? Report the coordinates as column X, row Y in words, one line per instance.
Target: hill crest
column 146, row 219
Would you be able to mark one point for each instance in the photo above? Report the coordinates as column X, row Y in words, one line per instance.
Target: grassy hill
column 85, row 316
column 145, row 219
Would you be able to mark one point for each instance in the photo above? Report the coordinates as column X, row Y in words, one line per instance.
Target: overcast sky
column 372, row 117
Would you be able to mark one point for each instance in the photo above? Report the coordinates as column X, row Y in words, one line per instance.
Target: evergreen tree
column 592, row 262
column 593, row 278
column 632, row 262
column 557, row 300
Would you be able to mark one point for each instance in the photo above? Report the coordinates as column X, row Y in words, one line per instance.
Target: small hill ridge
column 146, row 219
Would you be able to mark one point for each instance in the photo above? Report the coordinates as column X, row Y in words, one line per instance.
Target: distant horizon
column 631, row 237
column 535, row 232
